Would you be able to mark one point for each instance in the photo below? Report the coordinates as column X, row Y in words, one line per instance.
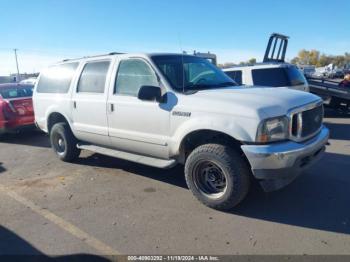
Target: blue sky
column 45, row 31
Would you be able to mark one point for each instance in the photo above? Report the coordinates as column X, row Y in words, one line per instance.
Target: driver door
column 134, row 125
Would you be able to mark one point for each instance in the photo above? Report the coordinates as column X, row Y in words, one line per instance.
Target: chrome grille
column 312, row 121
column 306, row 122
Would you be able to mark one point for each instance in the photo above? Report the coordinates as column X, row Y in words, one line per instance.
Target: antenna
column 183, row 64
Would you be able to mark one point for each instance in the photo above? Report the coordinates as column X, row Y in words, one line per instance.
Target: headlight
column 273, row 129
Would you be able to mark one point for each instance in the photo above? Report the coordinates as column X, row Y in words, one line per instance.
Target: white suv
column 165, row 109
column 269, row 74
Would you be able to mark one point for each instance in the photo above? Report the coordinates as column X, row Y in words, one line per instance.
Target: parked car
column 335, row 73
column 29, row 81
column 273, row 71
column 269, row 74
column 16, row 107
column 166, row 109
column 307, row 70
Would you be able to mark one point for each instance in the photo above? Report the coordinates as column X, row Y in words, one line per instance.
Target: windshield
column 16, row 92
column 191, row 73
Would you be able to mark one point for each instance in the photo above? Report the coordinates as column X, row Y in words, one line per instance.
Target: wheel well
column 55, row 118
column 200, row 137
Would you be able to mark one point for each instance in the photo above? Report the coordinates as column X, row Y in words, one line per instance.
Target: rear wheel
column 63, row 142
column 217, row 175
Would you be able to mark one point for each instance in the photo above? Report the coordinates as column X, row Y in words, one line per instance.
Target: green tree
column 295, row 60
column 304, row 57
column 252, row 61
column 314, row 57
column 324, row 60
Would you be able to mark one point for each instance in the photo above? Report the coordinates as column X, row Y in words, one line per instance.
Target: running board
column 145, row 160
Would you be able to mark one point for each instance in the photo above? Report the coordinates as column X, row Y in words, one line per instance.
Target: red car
column 16, row 107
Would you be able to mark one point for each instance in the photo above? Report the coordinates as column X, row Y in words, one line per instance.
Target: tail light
column 8, row 110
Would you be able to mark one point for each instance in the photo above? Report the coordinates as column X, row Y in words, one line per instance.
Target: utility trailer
column 330, row 91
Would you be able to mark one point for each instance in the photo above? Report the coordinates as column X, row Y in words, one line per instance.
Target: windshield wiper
column 225, row 84
column 197, row 86
column 207, row 86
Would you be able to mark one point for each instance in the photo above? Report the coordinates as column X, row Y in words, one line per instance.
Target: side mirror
column 150, row 93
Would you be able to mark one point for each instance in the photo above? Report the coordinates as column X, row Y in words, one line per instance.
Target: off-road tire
column 69, row 151
column 235, row 169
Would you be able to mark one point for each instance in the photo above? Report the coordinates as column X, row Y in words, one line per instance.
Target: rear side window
column 235, row 76
column 132, row 74
column 278, row 77
column 93, row 77
column 16, row 92
column 275, row 77
column 295, row 76
column 56, row 79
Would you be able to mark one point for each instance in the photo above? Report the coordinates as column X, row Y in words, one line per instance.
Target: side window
column 57, row 79
column 235, row 76
column 274, row 77
column 132, row 74
column 93, row 77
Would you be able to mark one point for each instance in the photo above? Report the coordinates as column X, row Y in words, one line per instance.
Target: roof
column 12, row 85
column 257, row 66
column 123, row 54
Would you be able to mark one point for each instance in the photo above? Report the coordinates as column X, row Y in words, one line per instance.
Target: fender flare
column 54, row 109
column 223, row 125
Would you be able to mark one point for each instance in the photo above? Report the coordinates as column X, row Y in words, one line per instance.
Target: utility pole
column 18, row 75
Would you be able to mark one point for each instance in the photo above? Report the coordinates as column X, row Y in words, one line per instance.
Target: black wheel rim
column 209, row 179
column 59, row 143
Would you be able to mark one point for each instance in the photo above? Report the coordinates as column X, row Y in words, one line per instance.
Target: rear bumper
column 14, row 129
column 276, row 165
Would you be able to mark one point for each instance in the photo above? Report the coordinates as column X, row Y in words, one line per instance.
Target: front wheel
column 217, row 175
column 63, row 142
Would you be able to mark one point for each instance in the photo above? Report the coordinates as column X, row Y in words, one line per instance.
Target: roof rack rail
column 112, row 53
column 116, row 53
column 276, row 40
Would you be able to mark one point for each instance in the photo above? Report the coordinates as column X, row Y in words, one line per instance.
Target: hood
column 264, row 101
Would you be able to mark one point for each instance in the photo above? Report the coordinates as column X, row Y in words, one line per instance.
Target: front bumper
column 278, row 164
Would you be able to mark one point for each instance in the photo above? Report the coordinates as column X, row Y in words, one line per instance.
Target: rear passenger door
column 89, row 102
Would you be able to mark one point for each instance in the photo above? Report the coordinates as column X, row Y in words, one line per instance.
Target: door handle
column 111, row 107
column 74, row 104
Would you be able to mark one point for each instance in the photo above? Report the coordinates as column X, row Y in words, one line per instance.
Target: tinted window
column 132, row 74
column 93, row 77
column 278, row 77
column 236, row 76
column 295, row 76
column 57, row 79
column 16, row 92
column 275, row 77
